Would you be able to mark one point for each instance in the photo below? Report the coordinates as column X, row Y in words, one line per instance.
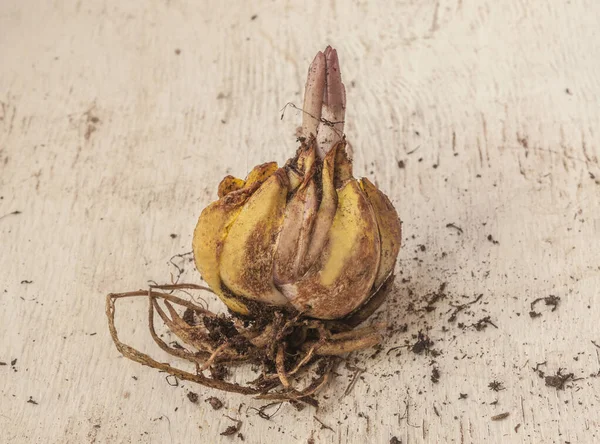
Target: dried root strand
column 284, row 347
column 280, row 362
column 144, row 359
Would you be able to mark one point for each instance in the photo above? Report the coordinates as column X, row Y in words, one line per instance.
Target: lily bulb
column 306, row 236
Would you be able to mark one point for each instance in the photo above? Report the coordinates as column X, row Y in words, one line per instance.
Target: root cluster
column 284, row 347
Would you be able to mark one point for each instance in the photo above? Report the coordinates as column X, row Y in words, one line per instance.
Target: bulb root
column 287, row 348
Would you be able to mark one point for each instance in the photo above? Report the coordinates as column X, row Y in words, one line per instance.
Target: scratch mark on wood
column 434, row 23
column 521, row 170
column 485, row 139
column 584, row 148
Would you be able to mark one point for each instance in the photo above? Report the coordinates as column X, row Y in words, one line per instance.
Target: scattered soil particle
column 31, row 401
column 501, row 416
column 215, row 403
column 2, row 363
column 492, row 240
column 435, row 410
column 435, row 375
column 461, row 307
column 558, row 380
column 193, row 397
column 537, row 369
column 395, row 440
column 232, row 429
column 423, row 344
column 551, row 300
column 378, row 349
column 517, row 427
column 239, row 435
column 437, row 296
column 173, row 236
column 254, row 17
column 462, row 396
column 401, row 164
column 483, row 323
column 13, row 362
column 456, row 227
column 403, row 328
column 178, row 51
column 496, row 386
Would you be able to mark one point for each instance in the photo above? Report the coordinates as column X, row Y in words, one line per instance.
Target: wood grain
column 118, row 119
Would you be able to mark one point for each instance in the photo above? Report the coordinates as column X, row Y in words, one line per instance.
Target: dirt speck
column 232, row 429
column 501, row 416
column 492, row 240
column 551, row 301
column 456, row 227
column 435, row 375
column 423, row 344
column 559, row 380
column 215, row 403
column 496, row 386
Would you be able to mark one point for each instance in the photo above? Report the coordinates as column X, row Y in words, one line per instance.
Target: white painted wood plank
column 110, row 141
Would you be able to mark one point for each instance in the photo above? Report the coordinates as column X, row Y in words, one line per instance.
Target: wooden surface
column 118, row 119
